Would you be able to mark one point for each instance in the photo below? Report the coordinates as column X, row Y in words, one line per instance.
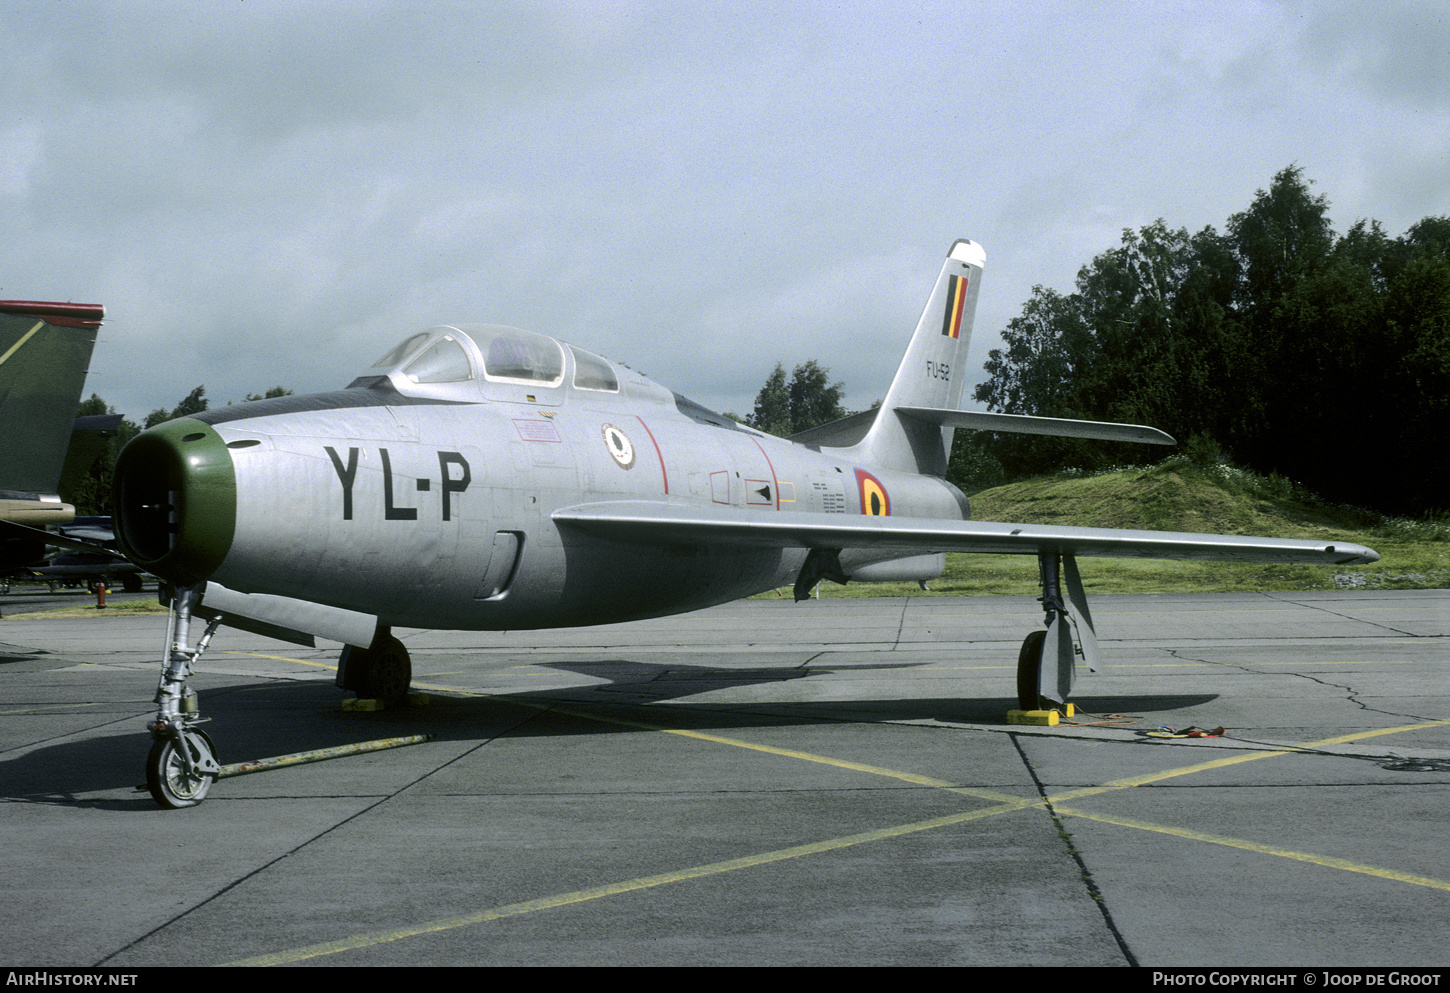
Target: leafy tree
column 194, row 403
column 92, row 493
column 772, row 405
column 814, row 399
column 94, row 407
column 973, row 465
column 1416, row 394
column 1283, row 237
column 274, row 392
column 809, row 399
column 1276, row 344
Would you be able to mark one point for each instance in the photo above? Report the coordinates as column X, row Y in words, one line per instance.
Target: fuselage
column 426, row 499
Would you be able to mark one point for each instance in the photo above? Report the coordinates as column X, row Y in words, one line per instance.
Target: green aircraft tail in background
column 45, row 351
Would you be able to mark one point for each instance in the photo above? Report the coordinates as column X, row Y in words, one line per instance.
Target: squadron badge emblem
column 619, row 445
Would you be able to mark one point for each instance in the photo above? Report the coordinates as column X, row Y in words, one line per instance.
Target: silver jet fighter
column 487, row 478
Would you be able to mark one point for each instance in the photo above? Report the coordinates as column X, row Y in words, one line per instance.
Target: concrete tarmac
column 764, row 783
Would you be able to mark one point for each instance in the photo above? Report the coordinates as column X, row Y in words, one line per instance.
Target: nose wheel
column 181, row 769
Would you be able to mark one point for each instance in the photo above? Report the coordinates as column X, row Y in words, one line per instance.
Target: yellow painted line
column 913, row 778
column 1160, row 665
column 924, row 667
column 1010, row 805
column 1376, row 733
column 1251, row 846
column 1304, row 661
column 23, row 339
column 614, row 889
column 1004, row 803
column 1154, row 777
column 284, row 658
column 906, row 777
column 1319, row 662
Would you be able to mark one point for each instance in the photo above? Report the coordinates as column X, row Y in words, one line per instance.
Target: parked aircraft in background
column 488, row 478
column 45, row 351
column 89, row 558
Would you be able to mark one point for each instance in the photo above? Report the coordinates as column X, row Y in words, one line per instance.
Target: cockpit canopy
column 473, row 361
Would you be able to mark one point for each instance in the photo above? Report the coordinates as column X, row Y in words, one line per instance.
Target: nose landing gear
column 182, row 764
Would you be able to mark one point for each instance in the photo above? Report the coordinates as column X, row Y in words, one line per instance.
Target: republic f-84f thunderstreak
column 486, row 478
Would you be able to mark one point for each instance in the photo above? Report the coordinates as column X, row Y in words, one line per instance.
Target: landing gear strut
column 1047, row 662
column 182, row 764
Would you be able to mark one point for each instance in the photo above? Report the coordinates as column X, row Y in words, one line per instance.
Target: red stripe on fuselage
column 774, row 483
column 658, row 453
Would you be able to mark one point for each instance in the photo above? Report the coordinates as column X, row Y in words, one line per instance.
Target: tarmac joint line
column 1004, row 803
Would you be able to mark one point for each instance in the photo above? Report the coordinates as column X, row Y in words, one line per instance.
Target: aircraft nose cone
column 175, row 500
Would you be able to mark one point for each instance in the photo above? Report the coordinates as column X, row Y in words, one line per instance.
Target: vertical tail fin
column 45, row 350
column 931, row 374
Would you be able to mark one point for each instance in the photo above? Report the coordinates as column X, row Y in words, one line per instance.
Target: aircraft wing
column 74, row 540
column 661, row 523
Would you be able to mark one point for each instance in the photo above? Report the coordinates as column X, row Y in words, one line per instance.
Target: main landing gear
column 381, row 672
column 1047, row 662
column 182, row 765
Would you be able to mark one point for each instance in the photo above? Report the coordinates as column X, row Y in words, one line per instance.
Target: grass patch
column 126, row 607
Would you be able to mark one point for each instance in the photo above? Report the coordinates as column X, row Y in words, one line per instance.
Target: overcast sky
column 272, row 192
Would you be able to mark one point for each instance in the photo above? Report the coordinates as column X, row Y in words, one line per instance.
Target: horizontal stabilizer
column 1057, row 427
column 667, row 523
column 841, row 433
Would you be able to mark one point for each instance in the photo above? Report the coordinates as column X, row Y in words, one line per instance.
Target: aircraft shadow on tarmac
column 257, row 720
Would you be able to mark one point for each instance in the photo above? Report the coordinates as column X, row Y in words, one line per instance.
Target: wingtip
column 1354, row 554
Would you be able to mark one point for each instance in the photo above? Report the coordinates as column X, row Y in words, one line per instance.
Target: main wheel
column 1029, row 669
column 382, row 672
column 166, row 774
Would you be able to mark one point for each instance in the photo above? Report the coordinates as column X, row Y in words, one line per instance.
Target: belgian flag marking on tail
column 951, row 324
column 874, row 500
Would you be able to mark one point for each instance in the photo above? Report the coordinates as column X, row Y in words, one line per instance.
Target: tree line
column 1277, row 345
column 93, row 494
